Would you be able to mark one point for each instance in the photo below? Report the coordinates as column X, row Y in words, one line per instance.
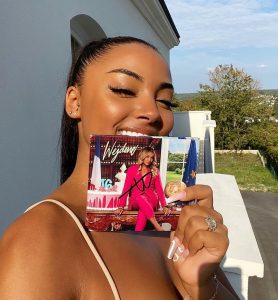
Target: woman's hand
column 166, row 210
column 119, row 211
column 196, row 251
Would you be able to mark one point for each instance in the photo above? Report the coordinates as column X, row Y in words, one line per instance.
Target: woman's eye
column 166, row 103
column 122, row 92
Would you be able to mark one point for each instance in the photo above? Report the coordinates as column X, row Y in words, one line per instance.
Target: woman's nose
column 146, row 109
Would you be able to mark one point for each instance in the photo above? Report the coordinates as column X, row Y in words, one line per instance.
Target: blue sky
column 181, row 145
column 239, row 32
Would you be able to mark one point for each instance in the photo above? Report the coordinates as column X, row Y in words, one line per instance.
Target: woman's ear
column 73, row 108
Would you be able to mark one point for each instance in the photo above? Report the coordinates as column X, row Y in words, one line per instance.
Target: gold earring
column 70, row 112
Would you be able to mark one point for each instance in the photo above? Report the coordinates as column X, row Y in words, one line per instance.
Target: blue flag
column 189, row 173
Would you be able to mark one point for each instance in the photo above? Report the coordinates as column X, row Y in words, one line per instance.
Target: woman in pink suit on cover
column 144, row 188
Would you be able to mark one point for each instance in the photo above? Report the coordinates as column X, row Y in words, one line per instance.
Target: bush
column 271, row 154
column 178, row 171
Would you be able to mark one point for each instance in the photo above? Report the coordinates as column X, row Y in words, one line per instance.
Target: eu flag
column 189, row 173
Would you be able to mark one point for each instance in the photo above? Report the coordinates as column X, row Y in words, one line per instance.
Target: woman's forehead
column 133, row 56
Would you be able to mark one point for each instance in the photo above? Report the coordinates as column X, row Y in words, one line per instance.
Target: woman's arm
column 127, row 185
column 159, row 189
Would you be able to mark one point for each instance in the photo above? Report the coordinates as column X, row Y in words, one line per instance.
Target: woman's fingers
column 216, row 242
column 197, row 223
column 190, row 216
column 198, row 244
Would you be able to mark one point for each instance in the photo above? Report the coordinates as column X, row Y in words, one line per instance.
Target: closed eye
column 122, row 92
column 167, row 103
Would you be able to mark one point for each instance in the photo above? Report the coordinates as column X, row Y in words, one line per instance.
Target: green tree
column 190, row 103
column 263, row 135
column 234, row 101
column 275, row 108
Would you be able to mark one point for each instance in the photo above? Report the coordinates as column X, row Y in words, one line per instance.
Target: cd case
column 130, row 180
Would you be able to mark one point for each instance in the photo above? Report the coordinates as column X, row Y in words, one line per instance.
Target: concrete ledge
column 243, row 258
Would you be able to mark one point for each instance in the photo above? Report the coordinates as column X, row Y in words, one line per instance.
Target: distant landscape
column 187, row 96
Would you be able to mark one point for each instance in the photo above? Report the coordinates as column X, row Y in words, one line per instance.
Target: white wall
column 35, row 56
column 198, row 124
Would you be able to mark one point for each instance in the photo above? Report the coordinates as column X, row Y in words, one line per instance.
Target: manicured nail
column 172, row 248
column 180, row 250
column 178, row 253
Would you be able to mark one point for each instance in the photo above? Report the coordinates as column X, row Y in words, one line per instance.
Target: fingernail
column 172, row 248
column 181, row 252
column 178, row 253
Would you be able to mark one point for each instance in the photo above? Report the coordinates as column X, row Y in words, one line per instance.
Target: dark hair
column 69, row 130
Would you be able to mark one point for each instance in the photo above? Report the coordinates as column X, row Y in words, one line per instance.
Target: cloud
column 262, row 66
column 210, row 69
column 225, row 23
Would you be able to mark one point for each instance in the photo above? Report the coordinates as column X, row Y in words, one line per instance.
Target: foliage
column 187, row 103
column 178, row 171
column 234, row 100
column 175, row 161
column 273, row 92
column 271, row 154
column 275, row 109
column 263, row 135
column 248, row 171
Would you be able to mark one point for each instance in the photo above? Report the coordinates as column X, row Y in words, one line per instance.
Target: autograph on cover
column 127, row 180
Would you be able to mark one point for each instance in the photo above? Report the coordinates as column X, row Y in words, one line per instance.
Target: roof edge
column 159, row 18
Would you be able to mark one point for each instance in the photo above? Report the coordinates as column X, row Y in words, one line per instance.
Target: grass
column 172, row 176
column 248, row 171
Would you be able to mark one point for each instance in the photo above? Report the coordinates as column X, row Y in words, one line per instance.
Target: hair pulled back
column 69, row 130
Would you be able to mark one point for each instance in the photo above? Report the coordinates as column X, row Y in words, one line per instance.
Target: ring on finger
column 212, row 225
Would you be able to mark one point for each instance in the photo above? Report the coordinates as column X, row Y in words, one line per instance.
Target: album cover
column 130, row 180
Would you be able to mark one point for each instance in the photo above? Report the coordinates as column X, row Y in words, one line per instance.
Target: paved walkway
column 262, row 209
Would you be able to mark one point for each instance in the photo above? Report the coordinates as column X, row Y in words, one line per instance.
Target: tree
column 275, row 108
column 186, row 104
column 234, row 101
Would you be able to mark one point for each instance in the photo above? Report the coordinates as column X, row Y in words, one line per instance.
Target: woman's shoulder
column 133, row 168
column 34, row 251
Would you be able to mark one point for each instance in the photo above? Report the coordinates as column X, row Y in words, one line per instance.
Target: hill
column 188, row 96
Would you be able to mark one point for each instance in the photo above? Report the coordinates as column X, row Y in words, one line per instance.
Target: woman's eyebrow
column 165, row 85
column 128, row 72
column 162, row 86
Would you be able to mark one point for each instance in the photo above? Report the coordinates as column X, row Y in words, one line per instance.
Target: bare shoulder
column 34, row 255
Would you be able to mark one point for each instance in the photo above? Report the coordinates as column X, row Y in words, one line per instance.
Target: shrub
column 271, row 154
column 178, row 171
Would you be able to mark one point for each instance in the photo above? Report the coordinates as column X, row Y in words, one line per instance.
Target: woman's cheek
column 168, row 122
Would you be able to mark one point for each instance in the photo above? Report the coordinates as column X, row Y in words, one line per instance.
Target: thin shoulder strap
column 89, row 242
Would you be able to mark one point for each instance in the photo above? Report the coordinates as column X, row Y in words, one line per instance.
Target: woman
column 117, row 86
column 144, row 188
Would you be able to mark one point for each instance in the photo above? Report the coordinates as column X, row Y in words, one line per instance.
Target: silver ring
column 212, row 225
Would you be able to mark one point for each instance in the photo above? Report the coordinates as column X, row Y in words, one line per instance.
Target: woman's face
column 148, row 159
column 128, row 90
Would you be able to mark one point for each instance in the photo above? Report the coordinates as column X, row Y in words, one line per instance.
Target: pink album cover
column 131, row 179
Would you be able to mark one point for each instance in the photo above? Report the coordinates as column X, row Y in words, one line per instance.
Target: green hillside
column 187, row 96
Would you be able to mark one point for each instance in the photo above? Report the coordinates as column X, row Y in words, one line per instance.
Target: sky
column 243, row 33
